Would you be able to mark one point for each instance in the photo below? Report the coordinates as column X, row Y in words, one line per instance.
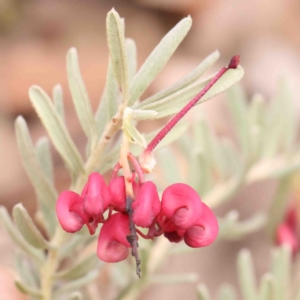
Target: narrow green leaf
column 246, row 275
column 239, row 111
column 17, row 238
column 80, row 97
column 27, row 228
column 58, row 100
column 171, row 104
column 174, row 278
column 28, row 272
column 166, row 158
column 298, row 295
column 25, row 289
column 157, row 59
column 182, row 96
column 199, row 175
column 75, row 296
column 281, row 269
column 227, row 292
column 133, row 134
column 203, row 292
column 56, row 129
column 43, row 153
column 80, row 268
column 141, row 115
column 279, row 205
column 131, row 58
column 289, row 113
column 38, row 177
column 232, row 228
column 117, row 50
column 268, row 287
column 187, row 80
column 111, row 92
column 75, row 284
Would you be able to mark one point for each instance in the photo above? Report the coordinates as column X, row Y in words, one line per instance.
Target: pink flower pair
column 184, row 216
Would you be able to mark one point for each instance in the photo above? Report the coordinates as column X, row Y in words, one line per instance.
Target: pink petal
column 285, row 236
column 96, row 195
column 112, row 243
column 205, row 231
column 69, row 211
column 146, row 205
column 118, row 193
column 182, row 204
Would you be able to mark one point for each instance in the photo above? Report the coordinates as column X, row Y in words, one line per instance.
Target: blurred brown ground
column 34, row 39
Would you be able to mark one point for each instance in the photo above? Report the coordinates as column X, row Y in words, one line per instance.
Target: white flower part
column 147, row 161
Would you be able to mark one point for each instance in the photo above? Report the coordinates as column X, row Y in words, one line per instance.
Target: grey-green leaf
column 25, row 289
column 117, row 51
column 38, row 177
column 187, row 80
column 43, row 154
column 17, row 238
column 76, row 284
column 140, row 115
column 27, row 228
column 173, row 103
column 80, row 97
column 131, row 58
column 56, row 129
column 246, row 275
column 58, row 100
column 203, row 292
column 80, row 269
column 157, row 59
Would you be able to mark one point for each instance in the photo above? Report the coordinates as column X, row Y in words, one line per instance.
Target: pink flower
column 181, row 205
column 96, row 195
column 118, row 193
column 112, row 243
column 146, row 205
column 70, row 213
column 286, row 236
column 205, row 231
column 287, row 231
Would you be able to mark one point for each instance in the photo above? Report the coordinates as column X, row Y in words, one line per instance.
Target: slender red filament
column 232, row 65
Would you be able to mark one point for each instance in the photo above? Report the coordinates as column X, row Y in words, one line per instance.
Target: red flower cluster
column 179, row 215
column 288, row 231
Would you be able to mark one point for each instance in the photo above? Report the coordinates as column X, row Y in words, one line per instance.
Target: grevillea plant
column 147, row 215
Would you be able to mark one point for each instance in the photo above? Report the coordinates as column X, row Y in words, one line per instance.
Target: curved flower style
column 146, row 205
column 181, row 205
column 112, row 243
column 70, row 213
column 205, row 231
